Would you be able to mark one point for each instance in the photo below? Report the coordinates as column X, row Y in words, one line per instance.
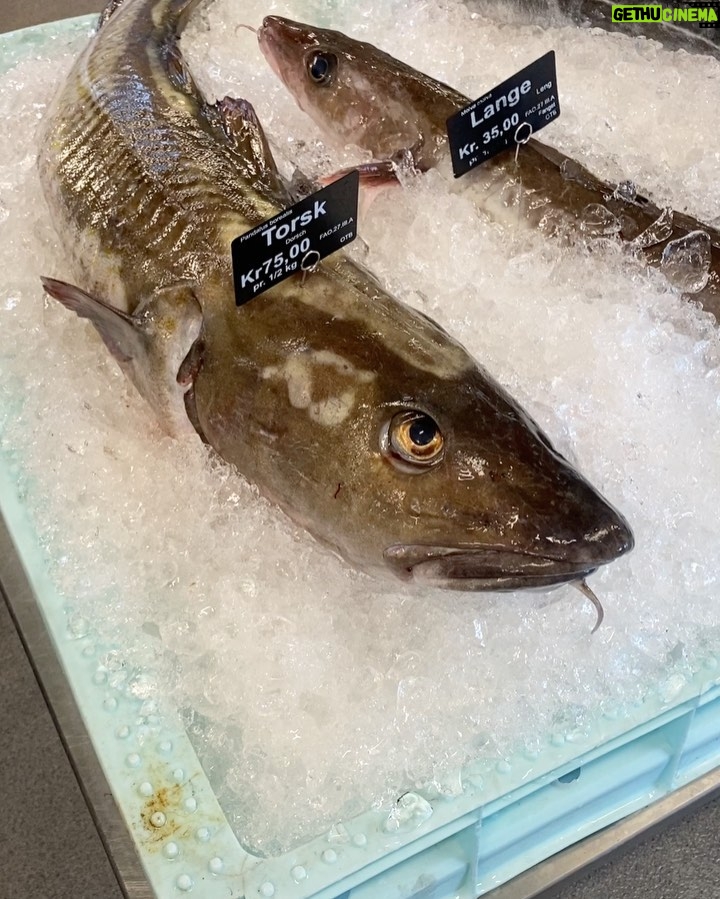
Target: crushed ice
column 313, row 692
column 686, row 261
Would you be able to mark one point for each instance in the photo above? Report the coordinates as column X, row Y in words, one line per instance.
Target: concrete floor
column 23, row 13
column 50, row 848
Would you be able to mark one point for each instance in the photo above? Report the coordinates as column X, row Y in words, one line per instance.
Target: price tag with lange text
column 505, row 116
column 296, row 239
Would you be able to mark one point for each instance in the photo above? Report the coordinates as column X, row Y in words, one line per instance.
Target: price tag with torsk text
column 295, row 240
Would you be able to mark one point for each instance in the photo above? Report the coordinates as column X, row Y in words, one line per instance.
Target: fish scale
column 311, row 388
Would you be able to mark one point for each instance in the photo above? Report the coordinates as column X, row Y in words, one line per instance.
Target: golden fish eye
column 414, row 437
column 321, row 66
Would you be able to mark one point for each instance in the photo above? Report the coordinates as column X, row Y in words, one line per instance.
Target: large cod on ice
column 363, row 419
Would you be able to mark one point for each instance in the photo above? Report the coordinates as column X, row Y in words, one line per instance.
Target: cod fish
column 363, row 419
column 362, row 96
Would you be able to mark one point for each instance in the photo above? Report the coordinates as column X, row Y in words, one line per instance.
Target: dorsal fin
column 241, row 125
column 230, row 117
column 178, row 15
column 242, row 128
column 178, row 72
column 182, row 10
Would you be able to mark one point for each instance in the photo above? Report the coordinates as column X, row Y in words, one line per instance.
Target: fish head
column 383, row 437
column 482, row 499
column 355, row 92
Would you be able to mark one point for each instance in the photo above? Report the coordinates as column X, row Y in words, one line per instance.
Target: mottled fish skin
column 302, row 387
column 376, row 102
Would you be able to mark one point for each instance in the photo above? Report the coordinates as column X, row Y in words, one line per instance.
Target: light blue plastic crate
column 511, row 815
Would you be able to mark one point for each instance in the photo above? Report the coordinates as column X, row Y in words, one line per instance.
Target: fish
column 360, row 417
column 360, row 95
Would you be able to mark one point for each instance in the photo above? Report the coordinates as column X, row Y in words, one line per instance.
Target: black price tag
column 297, row 239
column 506, row 115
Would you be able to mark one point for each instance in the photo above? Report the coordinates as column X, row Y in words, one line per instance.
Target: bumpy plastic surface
column 530, row 807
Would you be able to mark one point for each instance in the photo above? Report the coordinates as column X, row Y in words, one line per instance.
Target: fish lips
column 267, row 42
column 571, row 554
column 479, row 568
column 275, row 36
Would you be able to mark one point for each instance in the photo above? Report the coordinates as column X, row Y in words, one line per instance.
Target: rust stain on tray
column 162, row 815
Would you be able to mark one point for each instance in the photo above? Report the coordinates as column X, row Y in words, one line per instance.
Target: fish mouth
column 274, row 33
column 268, row 46
column 284, row 44
column 480, row 568
column 277, row 27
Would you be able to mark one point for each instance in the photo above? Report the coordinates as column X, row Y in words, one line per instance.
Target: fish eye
column 321, row 66
column 413, row 441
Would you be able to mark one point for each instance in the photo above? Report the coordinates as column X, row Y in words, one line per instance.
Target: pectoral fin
column 153, row 346
column 381, row 173
column 119, row 331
